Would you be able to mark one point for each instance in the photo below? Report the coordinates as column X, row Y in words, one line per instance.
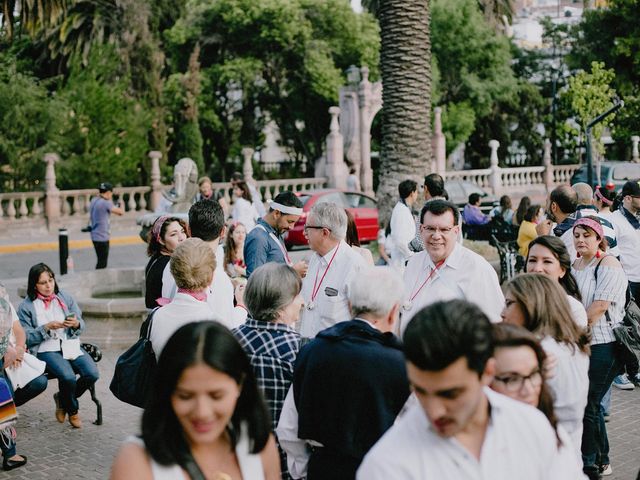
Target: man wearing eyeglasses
column 333, row 264
column 445, row 269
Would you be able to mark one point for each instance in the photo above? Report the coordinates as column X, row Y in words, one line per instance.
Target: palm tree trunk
column 405, row 61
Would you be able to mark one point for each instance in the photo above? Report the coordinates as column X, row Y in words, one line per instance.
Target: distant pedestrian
column 353, row 182
column 100, row 209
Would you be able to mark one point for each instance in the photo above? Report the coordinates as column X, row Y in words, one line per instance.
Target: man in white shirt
column 331, row 268
column 403, row 225
column 459, row 429
column 206, row 222
column 445, row 269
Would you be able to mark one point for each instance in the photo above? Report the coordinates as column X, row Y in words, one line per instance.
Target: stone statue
column 185, row 186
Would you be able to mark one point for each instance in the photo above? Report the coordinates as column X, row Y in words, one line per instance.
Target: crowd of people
column 333, row 368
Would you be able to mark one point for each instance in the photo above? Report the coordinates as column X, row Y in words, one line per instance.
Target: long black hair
column 211, row 344
column 559, row 250
column 34, row 275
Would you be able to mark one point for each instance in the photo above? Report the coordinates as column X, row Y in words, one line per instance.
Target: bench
column 511, row 262
column 94, row 352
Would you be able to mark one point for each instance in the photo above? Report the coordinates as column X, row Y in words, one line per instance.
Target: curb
column 73, row 244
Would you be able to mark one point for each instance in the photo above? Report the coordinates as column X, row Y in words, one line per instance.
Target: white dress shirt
column 567, row 239
column 578, row 312
column 628, row 245
column 287, row 432
column 403, row 230
column 519, row 444
column 168, row 319
column 328, row 309
column 569, row 388
column 220, row 295
column 464, row 275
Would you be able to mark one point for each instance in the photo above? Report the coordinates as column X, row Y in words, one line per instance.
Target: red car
column 362, row 207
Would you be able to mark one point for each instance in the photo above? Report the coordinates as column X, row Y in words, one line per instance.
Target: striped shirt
column 610, row 287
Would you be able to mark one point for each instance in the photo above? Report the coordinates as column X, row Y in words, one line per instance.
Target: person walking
column 100, row 209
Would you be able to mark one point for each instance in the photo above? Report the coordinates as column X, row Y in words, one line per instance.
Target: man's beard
column 551, row 216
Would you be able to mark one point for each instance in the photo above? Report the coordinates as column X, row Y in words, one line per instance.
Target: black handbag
column 135, row 369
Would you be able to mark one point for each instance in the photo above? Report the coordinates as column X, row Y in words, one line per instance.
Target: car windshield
column 628, row 171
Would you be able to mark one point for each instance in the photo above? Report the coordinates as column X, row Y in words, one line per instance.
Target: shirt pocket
column 333, row 308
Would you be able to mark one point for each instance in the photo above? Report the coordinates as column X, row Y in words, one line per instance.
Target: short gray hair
column 584, row 192
column 271, row 287
column 331, row 216
column 378, row 300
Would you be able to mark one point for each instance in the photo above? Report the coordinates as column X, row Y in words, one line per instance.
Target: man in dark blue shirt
column 264, row 243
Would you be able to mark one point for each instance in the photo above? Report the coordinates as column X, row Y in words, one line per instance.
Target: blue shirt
column 263, row 245
column 99, row 212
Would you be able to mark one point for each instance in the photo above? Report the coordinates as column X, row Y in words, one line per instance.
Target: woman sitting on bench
column 53, row 322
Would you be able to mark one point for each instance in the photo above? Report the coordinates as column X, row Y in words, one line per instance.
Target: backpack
column 135, row 369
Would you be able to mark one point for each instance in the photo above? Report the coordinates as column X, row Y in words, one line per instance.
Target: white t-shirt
column 519, row 444
column 578, row 312
column 403, row 230
column 628, row 245
column 244, row 212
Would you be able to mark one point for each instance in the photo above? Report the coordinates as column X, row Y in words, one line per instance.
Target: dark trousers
column 325, row 465
column 102, row 252
column 31, row 390
column 604, row 365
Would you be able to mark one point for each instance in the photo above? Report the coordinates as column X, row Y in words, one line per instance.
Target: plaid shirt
column 272, row 349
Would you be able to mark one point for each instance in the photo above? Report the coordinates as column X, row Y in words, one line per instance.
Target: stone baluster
column 156, row 185
column 52, row 193
column 22, row 209
column 11, row 209
column 335, row 152
column 66, row 209
column 495, row 179
column 635, row 156
column 75, row 204
column 131, row 204
column 548, row 166
column 439, row 142
column 142, row 202
column 35, row 209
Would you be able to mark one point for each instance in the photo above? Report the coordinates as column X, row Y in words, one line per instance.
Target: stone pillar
column 335, row 153
column 366, row 117
column 495, row 177
column 247, row 166
column 439, row 143
column 548, row 165
column 634, row 149
column 156, row 184
column 52, row 193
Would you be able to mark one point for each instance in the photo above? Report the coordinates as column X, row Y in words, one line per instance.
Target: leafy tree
column 35, row 15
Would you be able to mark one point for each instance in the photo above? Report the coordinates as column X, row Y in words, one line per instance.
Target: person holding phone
column 53, row 323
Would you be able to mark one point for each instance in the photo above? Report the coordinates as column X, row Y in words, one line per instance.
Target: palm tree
column 405, row 64
column 497, row 12
column 34, row 15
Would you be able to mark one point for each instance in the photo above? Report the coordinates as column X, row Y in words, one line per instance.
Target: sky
column 355, row 4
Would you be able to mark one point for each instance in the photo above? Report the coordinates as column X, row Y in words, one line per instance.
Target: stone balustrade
column 21, row 205
column 563, row 173
column 481, row 177
column 522, row 176
column 76, row 202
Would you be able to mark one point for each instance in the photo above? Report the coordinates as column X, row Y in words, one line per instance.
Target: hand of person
column 549, row 366
column 239, row 294
column 301, row 268
column 10, row 356
column 71, row 321
column 53, row 326
column 20, row 350
column 544, row 227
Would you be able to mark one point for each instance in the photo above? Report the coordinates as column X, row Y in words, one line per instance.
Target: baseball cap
column 632, row 187
column 105, row 187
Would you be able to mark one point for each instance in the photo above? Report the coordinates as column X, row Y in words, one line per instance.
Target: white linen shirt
column 43, row 316
column 519, row 444
column 403, row 230
column 569, row 388
column 219, row 296
column 329, row 310
column 578, row 312
column 628, row 245
column 183, row 309
column 464, row 275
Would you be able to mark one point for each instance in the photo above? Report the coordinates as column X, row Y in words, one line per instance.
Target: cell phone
column 71, row 316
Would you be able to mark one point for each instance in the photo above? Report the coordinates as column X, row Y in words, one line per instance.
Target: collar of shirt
column 324, row 260
column 264, row 325
column 454, row 260
column 269, row 228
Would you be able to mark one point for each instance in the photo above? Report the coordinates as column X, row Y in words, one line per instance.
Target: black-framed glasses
column 514, row 382
column 315, row 227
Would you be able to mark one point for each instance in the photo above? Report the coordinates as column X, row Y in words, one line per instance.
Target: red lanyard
column 437, row 266
column 314, row 291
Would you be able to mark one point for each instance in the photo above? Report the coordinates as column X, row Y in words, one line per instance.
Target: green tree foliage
column 270, row 60
column 34, row 15
column 590, row 94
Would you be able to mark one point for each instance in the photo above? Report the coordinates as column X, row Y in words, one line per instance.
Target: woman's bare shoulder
column 131, row 462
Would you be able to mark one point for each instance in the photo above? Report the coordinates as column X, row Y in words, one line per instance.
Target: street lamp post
column 590, row 125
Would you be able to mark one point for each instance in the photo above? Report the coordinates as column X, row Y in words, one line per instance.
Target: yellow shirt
column 526, row 233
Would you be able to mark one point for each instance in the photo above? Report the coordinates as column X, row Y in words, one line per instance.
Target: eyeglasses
column 515, row 382
column 433, row 230
column 315, row 227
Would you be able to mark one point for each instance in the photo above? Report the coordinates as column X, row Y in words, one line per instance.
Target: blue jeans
column 31, row 390
column 7, row 443
column 65, row 371
column 604, row 365
column 606, row 403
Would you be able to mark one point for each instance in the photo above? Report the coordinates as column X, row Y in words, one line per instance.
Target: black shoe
column 8, row 464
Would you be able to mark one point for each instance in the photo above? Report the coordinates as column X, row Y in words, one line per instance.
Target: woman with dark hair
column 205, row 417
column 504, row 212
column 53, row 323
column 537, row 303
column 602, row 283
column 163, row 238
column 353, row 240
column 527, row 230
column 549, row 255
column 234, row 252
column 243, row 210
column 519, row 363
column 525, row 203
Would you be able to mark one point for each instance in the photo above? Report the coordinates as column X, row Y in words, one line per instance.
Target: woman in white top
column 353, row 240
column 549, row 255
column 604, row 299
column 519, row 365
column 537, row 303
column 205, row 415
column 243, row 210
column 403, row 225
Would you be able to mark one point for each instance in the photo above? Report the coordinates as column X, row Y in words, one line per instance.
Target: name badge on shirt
column 330, row 292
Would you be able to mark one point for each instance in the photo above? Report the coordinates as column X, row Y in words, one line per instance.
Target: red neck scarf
column 201, row 295
column 48, row 300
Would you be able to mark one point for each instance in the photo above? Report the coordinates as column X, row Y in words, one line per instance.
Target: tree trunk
column 405, row 61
